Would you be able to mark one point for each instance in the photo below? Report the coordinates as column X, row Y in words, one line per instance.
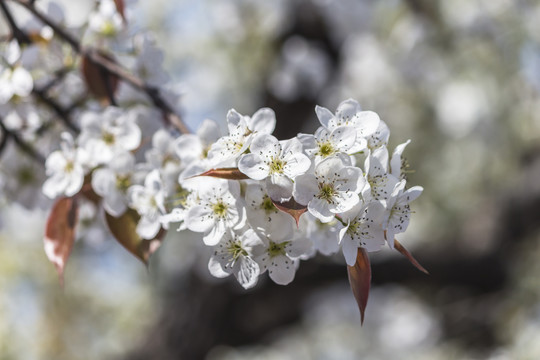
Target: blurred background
column 460, row 78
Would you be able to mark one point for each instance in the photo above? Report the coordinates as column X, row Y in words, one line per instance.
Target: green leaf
column 408, row 255
column 360, row 280
column 60, row 233
column 124, row 230
column 292, row 208
column 225, row 173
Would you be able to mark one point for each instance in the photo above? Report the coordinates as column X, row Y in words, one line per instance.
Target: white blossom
column 105, row 134
column 234, row 255
column 112, row 182
column 363, row 229
column 148, row 200
column 241, row 131
column 398, row 210
column 279, row 162
column 219, row 208
column 65, row 169
column 332, row 189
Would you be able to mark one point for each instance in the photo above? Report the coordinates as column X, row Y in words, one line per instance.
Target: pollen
column 326, row 192
column 326, row 149
column 276, row 249
column 267, row 204
column 123, row 182
column 108, row 138
column 276, row 166
column 220, row 209
column 236, row 250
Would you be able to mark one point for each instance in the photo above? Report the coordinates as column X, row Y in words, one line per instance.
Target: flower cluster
column 237, row 190
column 261, row 204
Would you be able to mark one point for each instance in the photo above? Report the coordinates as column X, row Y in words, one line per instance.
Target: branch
column 18, row 34
column 112, row 67
column 62, row 113
column 25, row 147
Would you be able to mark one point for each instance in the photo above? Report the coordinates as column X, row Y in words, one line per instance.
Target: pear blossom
column 381, row 183
column 106, row 21
column 234, row 255
column 398, row 210
column 331, row 190
column 105, row 134
column 65, row 169
column 362, row 229
column 112, row 182
column 263, row 214
column 325, row 143
column 15, row 80
column 281, row 256
column 323, row 236
column 241, row 131
column 279, row 162
column 148, row 201
column 219, row 208
column 349, row 113
column 192, row 147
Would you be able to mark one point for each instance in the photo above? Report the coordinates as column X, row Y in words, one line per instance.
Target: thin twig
column 25, row 147
column 17, row 33
column 112, row 67
column 62, row 113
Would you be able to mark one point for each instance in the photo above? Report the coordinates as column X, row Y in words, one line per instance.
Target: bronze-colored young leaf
column 225, row 173
column 124, row 230
column 120, row 7
column 292, row 208
column 60, row 233
column 98, row 80
column 408, row 255
column 360, row 280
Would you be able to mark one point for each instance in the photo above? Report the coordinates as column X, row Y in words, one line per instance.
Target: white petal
column 281, row 270
column 253, row 166
column 247, row 273
column 279, row 187
column 22, row 82
column 208, row 132
column 412, row 193
column 366, row 123
column 296, row 164
column 266, row 146
column 103, row 181
column 350, row 250
column 305, row 188
column 215, row 235
column 188, row 147
column 263, row 121
column 324, row 115
column 199, row 219
column 215, row 268
column 343, row 138
column 319, row 208
column 148, row 228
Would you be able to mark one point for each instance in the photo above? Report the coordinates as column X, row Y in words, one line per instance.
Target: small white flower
column 219, row 208
column 325, row 143
column 331, row 190
column 324, row 236
column 349, row 113
column 113, row 181
column 281, row 256
column 363, row 229
column 106, row 21
column 381, row 183
column 192, row 147
column 15, row 80
column 262, row 213
column 103, row 135
column 65, row 168
column 234, row 255
column 241, row 131
column 279, row 162
column 148, row 200
column 398, row 210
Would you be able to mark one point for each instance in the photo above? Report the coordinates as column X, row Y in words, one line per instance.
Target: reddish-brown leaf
column 124, row 230
column 98, row 80
column 225, row 173
column 120, row 7
column 408, row 255
column 60, row 233
column 292, row 208
column 360, row 280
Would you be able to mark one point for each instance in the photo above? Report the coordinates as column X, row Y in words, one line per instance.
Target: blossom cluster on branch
column 262, row 204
